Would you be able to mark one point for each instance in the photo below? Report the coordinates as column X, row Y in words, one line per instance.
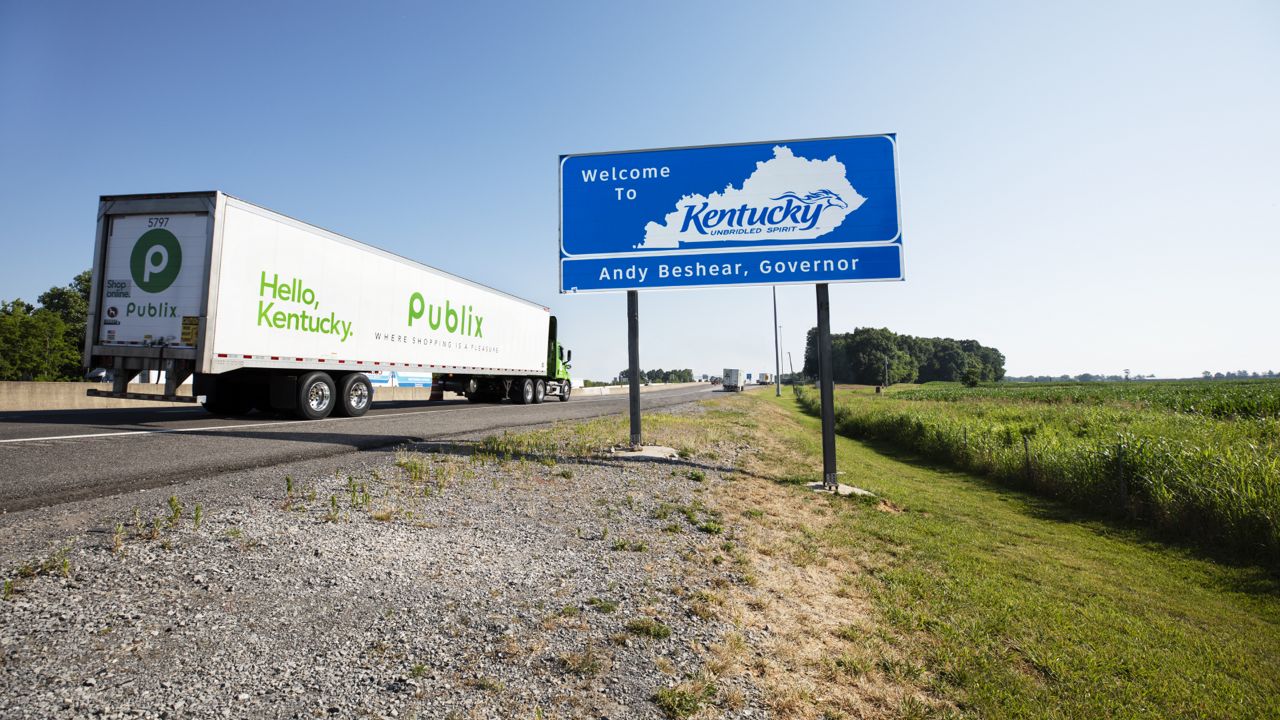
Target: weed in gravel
column 685, row 699
column 601, row 605
column 353, row 500
column 153, row 533
column 58, row 563
column 648, row 627
column 332, row 515
column 385, row 514
column 569, row 611
column 8, row 590
column 414, row 468
column 565, row 473
column 684, row 453
column 197, row 516
column 697, row 475
column 418, row 670
column 664, row 665
column 587, row 663
column 731, row 699
column 672, row 528
column 487, row 683
column 726, row 652
column 288, row 486
column 117, row 540
column 704, row 605
column 629, row 545
column 175, row 510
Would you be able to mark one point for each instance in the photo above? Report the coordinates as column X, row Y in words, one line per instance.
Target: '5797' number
column 157, row 222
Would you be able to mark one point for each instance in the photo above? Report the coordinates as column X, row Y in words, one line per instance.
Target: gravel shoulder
column 432, row 580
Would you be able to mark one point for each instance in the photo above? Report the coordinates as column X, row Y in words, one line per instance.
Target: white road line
column 299, row 423
column 165, row 431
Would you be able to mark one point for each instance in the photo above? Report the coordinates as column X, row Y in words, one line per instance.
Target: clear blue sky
column 1086, row 186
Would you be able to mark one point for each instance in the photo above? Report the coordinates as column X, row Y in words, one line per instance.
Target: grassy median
column 950, row 596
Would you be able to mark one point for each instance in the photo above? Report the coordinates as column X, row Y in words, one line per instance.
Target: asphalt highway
column 52, row 457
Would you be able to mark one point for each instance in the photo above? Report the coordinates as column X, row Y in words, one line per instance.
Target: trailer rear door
column 153, row 279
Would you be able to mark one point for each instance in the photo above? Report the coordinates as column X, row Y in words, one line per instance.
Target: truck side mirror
column 569, row 357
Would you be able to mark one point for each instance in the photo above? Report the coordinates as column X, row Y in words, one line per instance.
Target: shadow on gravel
column 468, row 448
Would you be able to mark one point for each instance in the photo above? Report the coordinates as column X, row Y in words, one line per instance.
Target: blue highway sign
column 769, row 213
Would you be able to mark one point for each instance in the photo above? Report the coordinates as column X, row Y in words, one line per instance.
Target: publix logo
column 156, row 260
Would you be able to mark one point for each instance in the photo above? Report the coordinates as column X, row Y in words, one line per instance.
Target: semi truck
column 733, row 381
column 262, row 311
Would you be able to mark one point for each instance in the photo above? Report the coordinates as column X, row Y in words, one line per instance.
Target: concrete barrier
column 37, row 396
column 623, row 389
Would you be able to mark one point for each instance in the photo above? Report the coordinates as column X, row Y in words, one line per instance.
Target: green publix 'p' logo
column 156, row 260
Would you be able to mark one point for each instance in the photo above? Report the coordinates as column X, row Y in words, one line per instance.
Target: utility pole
column 777, row 353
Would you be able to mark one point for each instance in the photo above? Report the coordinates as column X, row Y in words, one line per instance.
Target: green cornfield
column 1198, row 461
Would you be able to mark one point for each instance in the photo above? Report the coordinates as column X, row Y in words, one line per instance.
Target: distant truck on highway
column 764, row 379
column 733, row 380
column 264, row 311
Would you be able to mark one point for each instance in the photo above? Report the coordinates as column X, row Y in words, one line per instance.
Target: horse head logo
column 824, row 196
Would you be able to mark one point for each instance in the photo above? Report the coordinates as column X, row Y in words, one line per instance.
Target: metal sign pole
column 633, row 357
column 826, row 390
column 777, row 353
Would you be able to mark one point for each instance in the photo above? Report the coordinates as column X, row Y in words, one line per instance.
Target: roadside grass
column 1003, row 604
column 1206, row 478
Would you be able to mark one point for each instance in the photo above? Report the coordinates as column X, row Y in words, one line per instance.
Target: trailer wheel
column 539, row 391
column 564, row 391
column 316, row 396
column 523, row 391
column 355, row 393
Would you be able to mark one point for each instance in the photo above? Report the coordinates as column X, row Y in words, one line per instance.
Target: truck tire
column 316, row 396
column 539, row 392
column 523, row 390
column 564, row 391
column 355, row 394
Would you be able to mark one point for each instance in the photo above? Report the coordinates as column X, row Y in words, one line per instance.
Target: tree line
column 877, row 356
column 45, row 342
column 658, row 376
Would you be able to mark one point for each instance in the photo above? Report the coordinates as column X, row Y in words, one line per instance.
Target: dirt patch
column 888, row 506
column 816, row 645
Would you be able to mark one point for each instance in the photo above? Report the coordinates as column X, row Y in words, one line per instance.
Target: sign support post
column 633, row 359
column 826, row 390
column 777, row 353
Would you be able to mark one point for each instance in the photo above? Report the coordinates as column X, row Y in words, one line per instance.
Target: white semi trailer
column 271, row 313
column 733, row 380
